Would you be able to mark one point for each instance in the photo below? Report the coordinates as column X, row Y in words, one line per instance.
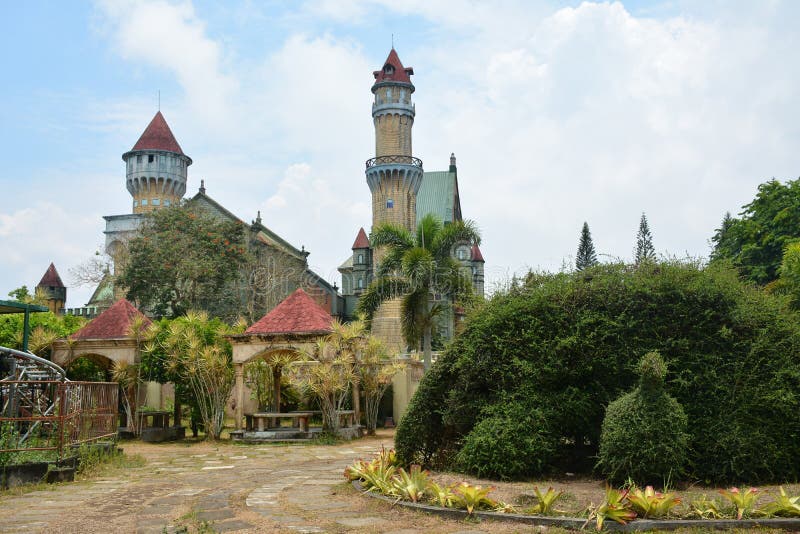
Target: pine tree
column 644, row 243
column 586, row 255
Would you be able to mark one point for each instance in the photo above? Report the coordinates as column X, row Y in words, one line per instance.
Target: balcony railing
column 390, row 160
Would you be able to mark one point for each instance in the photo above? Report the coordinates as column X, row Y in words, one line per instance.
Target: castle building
column 156, row 177
column 402, row 194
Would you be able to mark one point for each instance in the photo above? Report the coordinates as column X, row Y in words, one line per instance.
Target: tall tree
column 755, row 242
column 644, row 243
column 587, row 257
column 415, row 268
column 183, row 259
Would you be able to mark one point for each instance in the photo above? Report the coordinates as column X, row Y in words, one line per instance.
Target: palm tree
column 416, row 268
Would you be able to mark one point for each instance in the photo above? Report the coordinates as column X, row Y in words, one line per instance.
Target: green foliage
column 576, row 340
column 755, row 242
column 743, row 501
column 783, row 506
column 443, row 496
column 410, row 485
column 616, row 507
column 586, row 257
column 184, row 260
column 46, row 327
column 651, row 503
column 473, row 498
column 545, row 501
column 416, row 268
column 644, row 434
column 511, row 441
column 705, row 508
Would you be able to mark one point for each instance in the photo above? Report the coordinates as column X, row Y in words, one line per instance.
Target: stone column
column 356, row 403
column 239, row 370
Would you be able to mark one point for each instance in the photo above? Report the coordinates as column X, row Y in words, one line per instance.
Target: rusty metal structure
column 40, row 409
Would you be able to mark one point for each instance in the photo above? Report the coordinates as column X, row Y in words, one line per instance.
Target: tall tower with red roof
column 394, row 175
column 156, row 168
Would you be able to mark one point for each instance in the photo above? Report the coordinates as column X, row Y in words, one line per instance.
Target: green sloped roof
column 437, row 195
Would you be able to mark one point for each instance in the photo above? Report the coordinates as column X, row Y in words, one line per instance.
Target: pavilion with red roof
column 291, row 329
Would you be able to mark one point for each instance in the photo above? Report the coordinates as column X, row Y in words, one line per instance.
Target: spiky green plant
column 615, row 507
column 705, row 508
column 783, row 505
column 546, row 500
column 410, row 485
column 651, row 503
column 441, row 495
column 743, row 501
column 474, row 497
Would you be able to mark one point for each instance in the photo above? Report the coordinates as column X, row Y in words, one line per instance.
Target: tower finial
column 258, row 217
column 203, row 186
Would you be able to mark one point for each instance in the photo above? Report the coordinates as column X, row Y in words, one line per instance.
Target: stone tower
column 156, row 168
column 394, row 175
column 53, row 289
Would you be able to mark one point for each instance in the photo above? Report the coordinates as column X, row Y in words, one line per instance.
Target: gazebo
column 289, row 330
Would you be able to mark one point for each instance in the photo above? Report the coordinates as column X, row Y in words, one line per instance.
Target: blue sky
column 558, row 112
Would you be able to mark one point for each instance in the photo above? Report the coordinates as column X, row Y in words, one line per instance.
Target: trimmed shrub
column 510, row 442
column 575, row 339
column 644, row 432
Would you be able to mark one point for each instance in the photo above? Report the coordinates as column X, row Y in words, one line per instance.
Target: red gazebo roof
column 113, row 323
column 296, row 314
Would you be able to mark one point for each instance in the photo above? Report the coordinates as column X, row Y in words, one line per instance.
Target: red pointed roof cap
column 51, row 278
column 296, row 314
column 476, row 254
column 397, row 72
column 113, row 323
column 158, row 136
column 362, row 241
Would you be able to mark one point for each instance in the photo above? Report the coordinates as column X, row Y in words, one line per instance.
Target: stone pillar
column 239, row 415
column 357, row 403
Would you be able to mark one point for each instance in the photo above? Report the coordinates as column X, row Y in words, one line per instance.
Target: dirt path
column 206, row 487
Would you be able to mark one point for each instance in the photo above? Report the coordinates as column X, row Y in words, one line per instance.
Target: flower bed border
column 577, row 523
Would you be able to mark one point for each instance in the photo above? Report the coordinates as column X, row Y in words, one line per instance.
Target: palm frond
column 419, row 267
column 453, row 234
column 392, row 262
column 378, row 292
column 391, row 236
column 428, row 229
column 414, row 309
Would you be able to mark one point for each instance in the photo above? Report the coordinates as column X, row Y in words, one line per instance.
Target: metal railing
column 395, row 159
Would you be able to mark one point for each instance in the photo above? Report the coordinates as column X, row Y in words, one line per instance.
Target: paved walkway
column 222, row 488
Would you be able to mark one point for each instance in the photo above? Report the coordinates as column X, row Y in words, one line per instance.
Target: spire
column 452, row 161
column 393, row 70
column 361, row 240
column 475, row 254
column 158, row 136
column 51, row 278
column 258, row 217
column 203, row 187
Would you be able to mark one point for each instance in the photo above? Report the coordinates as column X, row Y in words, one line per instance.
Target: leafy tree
column 755, row 242
column 192, row 351
column 21, row 294
column 417, row 268
column 644, row 243
column 183, row 259
column 587, row 257
column 46, row 327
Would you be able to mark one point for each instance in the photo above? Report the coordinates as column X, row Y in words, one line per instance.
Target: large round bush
column 511, row 441
column 575, row 339
column 644, row 432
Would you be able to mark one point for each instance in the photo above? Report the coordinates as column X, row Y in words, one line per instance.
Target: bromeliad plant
column 784, row 506
column 743, row 501
column 651, row 503
column 705, row 508
column 441, row 495
column 410, row 485
column 545, row 503
column 474, row 497
column 615, row 507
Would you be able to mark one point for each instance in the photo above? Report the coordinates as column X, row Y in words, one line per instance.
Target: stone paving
column 207, row 487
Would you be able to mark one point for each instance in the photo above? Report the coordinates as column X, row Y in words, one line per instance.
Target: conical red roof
column 476, row 254
column 51, row 278
column 400, row 74
column 362, row 241
column 158, row 136
column 113, row 323
column 296, row 314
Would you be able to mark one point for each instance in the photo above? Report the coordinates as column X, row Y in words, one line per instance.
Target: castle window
column 135, row 203
column 139, row 158
column 144, row 202
column 360, row 258
column 389, row 203
column 388, row 69
column 150, row 158
column 389, row 94
column 166, row 202
column 462, row 254
column 156, row 202
column 360, row 283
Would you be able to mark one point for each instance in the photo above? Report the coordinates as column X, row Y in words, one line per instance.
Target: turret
column 393, row 175
column 53, row 289
column 156, row 168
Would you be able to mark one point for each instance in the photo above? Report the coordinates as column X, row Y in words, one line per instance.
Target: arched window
column 360, row 258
